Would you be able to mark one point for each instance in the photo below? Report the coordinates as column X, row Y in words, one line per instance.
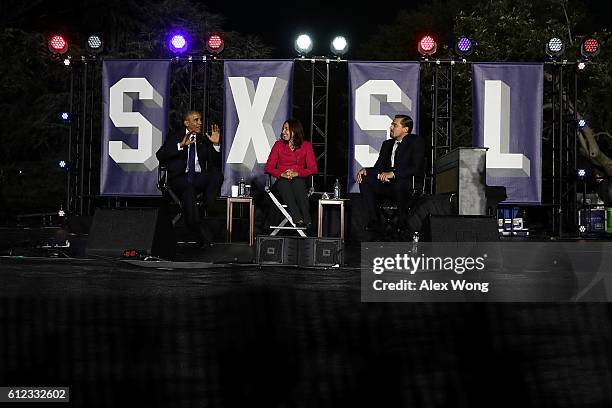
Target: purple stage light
column 177, row 43
column 464, row 46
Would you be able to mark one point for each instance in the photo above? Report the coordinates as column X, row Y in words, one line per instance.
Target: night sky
column 279, row 22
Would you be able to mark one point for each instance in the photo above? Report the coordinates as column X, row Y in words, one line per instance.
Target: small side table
column 334, row 201
column 230, row 209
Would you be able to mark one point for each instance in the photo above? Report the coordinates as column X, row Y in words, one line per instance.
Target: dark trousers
column 207, row 183
column 293, row 193
column 399, row 191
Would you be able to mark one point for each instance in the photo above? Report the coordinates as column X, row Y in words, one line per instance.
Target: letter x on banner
column 507, row 112
column 378, row 91
column 257, row 103
column 135, row 95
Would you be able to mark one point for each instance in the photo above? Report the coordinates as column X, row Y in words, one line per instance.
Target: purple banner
column 378, row 91
column 507, row 112
column 257, row 102
column 135, row 96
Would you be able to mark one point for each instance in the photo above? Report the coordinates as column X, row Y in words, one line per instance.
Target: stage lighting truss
column 57, row 44
column 590, row 48
column 303, row 44
column 464, row 47
column 95, row 45
column 555, row 47
column 215, row 44
column 339, row 46
column 427, row 46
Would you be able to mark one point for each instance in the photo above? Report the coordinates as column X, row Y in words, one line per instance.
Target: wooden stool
column 230, row 207
column 333, row 201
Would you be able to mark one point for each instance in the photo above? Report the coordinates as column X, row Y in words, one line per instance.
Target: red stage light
column 58, row 44
column 427, row 45
column 590, row 46
column 215, row 44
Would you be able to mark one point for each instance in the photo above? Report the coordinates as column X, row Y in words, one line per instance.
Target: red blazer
column 281, row 158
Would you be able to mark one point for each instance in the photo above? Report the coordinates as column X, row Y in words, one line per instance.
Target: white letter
column 256, row 109
column 122, row 95
column 367, row 114
column 500, row 162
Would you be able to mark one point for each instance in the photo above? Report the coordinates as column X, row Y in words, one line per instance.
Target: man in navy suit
column 193, row 161
column 400, row 163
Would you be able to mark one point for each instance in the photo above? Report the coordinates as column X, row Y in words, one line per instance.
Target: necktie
column 191, row 163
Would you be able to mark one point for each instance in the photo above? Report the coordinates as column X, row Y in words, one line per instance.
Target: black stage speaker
column 148, row 230
column 277, row 250
column 321, row 252
column 461, row 228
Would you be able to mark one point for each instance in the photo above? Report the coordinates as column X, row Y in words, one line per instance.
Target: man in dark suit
column 400, row 163
column 193, row 161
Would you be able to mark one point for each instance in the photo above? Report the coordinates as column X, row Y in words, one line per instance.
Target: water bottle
column 337, row 189
column 241, row 187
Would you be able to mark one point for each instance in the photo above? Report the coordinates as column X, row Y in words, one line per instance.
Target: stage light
column 95, row 44
column 582, row 229
column 67, row 61
column 581, row 66
column 589, row 48
column 581, row 173
column 303, row 44
column 215, row 44
column 65, row 117
column 339, row 46
column 427, row 46
column 58, row 44
column 581, row 123
column 63, row 165
column 177, row 43
column 464, row 46
column 61, row 212
column 555, row 47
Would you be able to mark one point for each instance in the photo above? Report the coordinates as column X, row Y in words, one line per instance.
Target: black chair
column 389, row 209
column 170, row 195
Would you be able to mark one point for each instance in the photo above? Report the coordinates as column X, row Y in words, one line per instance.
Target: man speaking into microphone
column 193, row 161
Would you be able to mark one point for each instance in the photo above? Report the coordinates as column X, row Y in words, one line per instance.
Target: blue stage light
column 177, row 43
column 581, row 173
column 464, row 46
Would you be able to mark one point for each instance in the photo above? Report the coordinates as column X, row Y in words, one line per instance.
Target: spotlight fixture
column 63, row 165
column 581, row 173
column 339, row 46
column 582, row 229
column 427, row 46
column 589, row 48
column 555, row 47
column 177, row 43
column 61, row 212
column 67, row 61
column 95, row 44
column 581, row 123
column 581, row 66
column 65, row 117
column 58, row 44
column 215, row 44
column 303, row 44
column 464, row 46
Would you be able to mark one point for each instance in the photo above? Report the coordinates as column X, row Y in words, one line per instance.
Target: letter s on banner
column 122, row 96
column 367, row 114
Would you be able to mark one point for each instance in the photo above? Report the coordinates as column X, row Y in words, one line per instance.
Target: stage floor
column 206, row 334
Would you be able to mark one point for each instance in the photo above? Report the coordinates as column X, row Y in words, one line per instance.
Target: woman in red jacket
column 291, row 161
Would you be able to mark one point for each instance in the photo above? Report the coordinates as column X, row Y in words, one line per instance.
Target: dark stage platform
column 196, row 333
